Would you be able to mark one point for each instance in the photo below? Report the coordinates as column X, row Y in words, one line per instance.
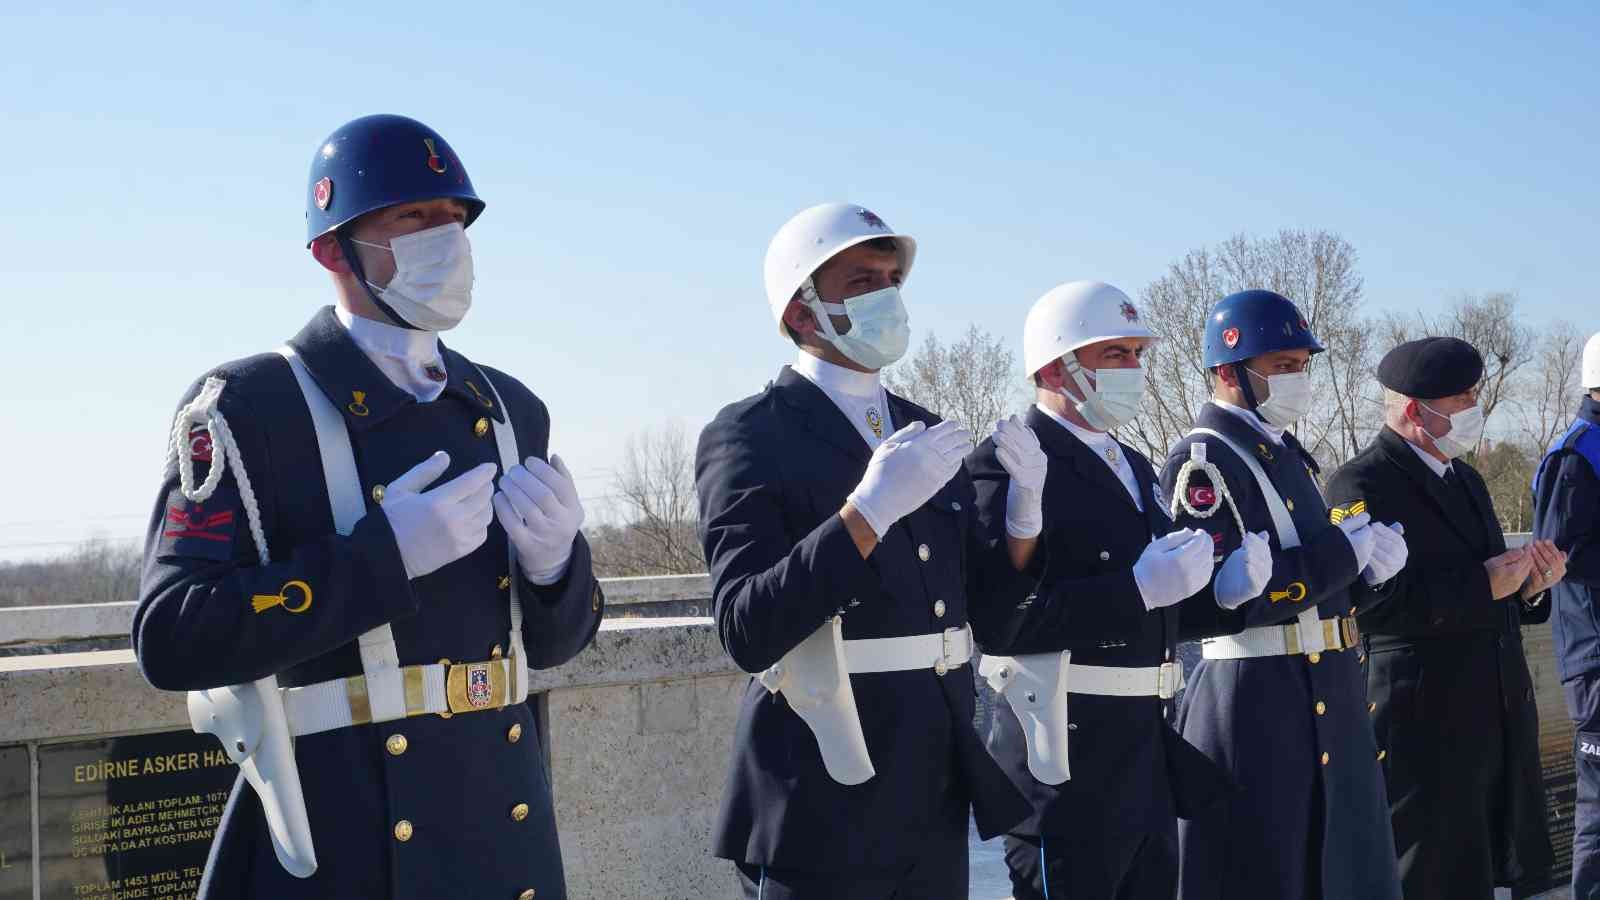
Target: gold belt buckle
column 1291, row 638
column 1351, row 631
column 473, row 687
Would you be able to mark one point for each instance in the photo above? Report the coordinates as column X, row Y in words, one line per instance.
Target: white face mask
column 1288, row 397
column 880, row 328
column 1114, row 398
column 432, row 284
column 1466, row 429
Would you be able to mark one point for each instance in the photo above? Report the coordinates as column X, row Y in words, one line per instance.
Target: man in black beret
column 1451, row 697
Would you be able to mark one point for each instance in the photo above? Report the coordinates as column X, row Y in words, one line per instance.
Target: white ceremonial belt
column 1285, row 640
column 1162, row 681
column 940, row 652
column 434, row 688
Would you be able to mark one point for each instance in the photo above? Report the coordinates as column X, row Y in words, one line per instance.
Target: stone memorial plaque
column 129, row 818
column 16, row 826
column 1557, row 757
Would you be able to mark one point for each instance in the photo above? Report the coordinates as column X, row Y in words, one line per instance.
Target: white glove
column 1389, row 553
column 906, row 470
column 1174, row 567
column 1358, row 531
column 438, row 527
column 1246, row 573
column 1017, row 448
column 538, row 507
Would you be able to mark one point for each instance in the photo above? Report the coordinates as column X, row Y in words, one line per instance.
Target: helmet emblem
column 434, row 162
column 322, row 194
column 871, row 218
column 1128, row 312
column 1230, row 338
column 1304, row 326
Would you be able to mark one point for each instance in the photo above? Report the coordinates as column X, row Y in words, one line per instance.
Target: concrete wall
column 640, row 728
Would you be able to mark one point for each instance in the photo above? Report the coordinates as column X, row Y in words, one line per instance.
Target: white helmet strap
column 821, row 310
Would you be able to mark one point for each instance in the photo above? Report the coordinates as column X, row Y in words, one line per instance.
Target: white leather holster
column 250, row 721
column 1035, row 687
column 815, row 680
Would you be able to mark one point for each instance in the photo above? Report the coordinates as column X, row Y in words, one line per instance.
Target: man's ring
column 1547, row 573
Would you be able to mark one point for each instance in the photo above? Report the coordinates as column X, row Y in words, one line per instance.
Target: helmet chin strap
column 356, row 269
column 1251, row 403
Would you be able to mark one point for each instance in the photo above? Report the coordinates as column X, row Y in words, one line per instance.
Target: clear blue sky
column 636, row 160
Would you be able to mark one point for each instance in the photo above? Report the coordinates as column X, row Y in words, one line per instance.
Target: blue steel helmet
column 1251, row 323
column 378, row 161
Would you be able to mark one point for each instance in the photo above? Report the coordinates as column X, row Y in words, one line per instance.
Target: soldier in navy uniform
column 843, row 543
column 1566, row 492
column 330, row 525
column 1114, row 572
column 1278, row 700
column 1444, row 653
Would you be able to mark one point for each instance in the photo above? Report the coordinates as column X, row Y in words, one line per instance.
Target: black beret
column 1431, row 367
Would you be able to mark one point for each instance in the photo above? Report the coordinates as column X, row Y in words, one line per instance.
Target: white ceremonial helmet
column 1073, row 315
column 1591, row 363
column 815, row 236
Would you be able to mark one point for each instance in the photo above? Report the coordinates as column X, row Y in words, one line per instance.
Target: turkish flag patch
column 200, row 445
column 1202, row 496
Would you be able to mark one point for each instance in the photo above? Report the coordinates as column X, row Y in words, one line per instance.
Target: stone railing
column 638, row 731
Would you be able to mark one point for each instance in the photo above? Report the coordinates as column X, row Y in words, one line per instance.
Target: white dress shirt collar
column 1270, row 432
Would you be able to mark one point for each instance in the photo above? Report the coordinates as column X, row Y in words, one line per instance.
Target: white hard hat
column 1591, row 363
column 1075, row 315
column 815, row 236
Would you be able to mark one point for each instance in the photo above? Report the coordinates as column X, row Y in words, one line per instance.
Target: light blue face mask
column 880, row 328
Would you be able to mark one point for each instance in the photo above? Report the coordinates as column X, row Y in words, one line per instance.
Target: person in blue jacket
column 1107, row 795
column 1566, row 491
column 850, row 576
column 1278, row 701
column 363, row 535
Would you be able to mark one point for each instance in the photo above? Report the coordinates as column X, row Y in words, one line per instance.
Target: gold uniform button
column 1290, row 504
column 1315, row 658
column 1322, row 708
column 377, row 493
column 526, row 895
column 1105, row 555
column 594, row 599
column 496, row 652
column 1382, row 754
column 938, row 608
column 1372, row 707
column 1361, row 657
column 396, row 744
column 923, row 553
column 940, row 668
column 514, row 733
column 480, row 427
column 1352, row 610
column 403, row 831
column 519, row 812
column 1325, row 758
column 505, row 582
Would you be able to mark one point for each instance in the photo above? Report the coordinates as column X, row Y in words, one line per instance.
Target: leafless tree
column 1315, row 269
column 654, row 491
column 99, row 570
column 973, row 381
column 1546, row 396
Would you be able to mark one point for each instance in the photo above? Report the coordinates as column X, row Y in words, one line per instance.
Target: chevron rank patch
column 1340, row 513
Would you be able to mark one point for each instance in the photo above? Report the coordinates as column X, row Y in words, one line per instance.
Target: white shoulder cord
column 1180, row 488
column 203, row 411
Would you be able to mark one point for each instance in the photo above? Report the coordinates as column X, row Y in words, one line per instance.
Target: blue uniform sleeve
column 1323, row 565
column 1568, row 514
column 1066, row 612
column 210, row 614
column 563, row 617
column 1436, row 593
column 770, row 590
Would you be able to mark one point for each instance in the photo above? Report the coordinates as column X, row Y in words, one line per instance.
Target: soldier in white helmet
column 842, row 537
column 1104, row 626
